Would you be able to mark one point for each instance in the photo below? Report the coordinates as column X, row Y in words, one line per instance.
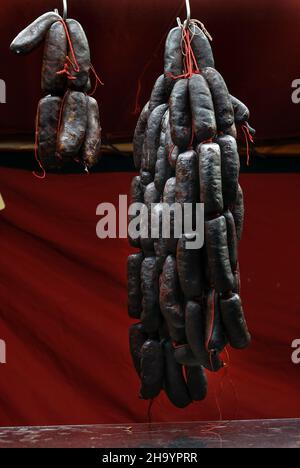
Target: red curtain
column 255, row 46
column 63, row 307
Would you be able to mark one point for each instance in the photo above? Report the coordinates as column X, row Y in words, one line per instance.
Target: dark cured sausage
column 152, row 138
column 146, row 178
column 173, row 58
column 134, row 267
column 215, row 334
column 201, row 48
column 195, row 333
column 82, row 54
column 74, row 124
column 172, row 150
column 152, row 369
column 55, row 52
column 137, row 196
column 230, row 169
column 180, row 115
column 187, row 179
column 218, row 255
column 238, row 212
column 175, row 385
column 33, row 35
column 241, row 111
column 232, row 240
column 160, row 244
column 159, row 95
column 48, row 112
column 163, row 171
column 222, row 102
column 209, row 155
column 184, row 356
column 151, row 197
column 137, row 338
column 169, row 198
column 92, row 142
column 139, row 136
column 234, row 322
column 151, row 316
column 170, row 300
column 190, row 265
column 202, row 108
column 197, row 383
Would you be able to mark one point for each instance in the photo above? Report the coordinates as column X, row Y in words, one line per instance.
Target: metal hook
column 188, row 15
column 188, row 12
column 65, row 13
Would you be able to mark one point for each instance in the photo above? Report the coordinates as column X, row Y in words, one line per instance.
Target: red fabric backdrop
column 255, row 45
column 63, row 307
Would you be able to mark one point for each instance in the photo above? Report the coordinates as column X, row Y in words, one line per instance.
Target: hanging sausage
column 68, row 124
column 188, row 299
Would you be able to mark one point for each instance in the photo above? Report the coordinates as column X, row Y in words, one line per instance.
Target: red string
column 36, row 151
column 69, row 62
column 98, row 81
column 190, row 63
column 248, row 137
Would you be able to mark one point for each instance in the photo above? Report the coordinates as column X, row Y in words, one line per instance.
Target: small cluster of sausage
column 187, row 301
column 68, row 123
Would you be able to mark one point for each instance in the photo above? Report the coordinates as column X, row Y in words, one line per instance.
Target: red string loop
column 69, row 62
column 248, row 138
column 36, row 150
column 98, row 81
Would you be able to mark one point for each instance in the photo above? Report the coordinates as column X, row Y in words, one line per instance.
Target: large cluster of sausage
column 187, row 301
column 68, row 124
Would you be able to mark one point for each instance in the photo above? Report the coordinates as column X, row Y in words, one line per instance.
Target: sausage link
column 82, row 54
column 139, row 136
column 55, row 52
column 202, row 108
column 218, row 255
column 173, row 61
column 170, row 300
column 137, row 338
column 197, row 383
column 33, row 35
column 151, row 316
column 180, row 115
column 134, row 268
column 175, row 385
column 222, row 102
column 92, row 142
column 209, row 155
column 152, row 369
column 230, row 163
column 48, row 112
column 74, row 125
column 235, row 323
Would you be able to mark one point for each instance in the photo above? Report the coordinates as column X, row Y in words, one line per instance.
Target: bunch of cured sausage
column 68, row 124
column 187, row 302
